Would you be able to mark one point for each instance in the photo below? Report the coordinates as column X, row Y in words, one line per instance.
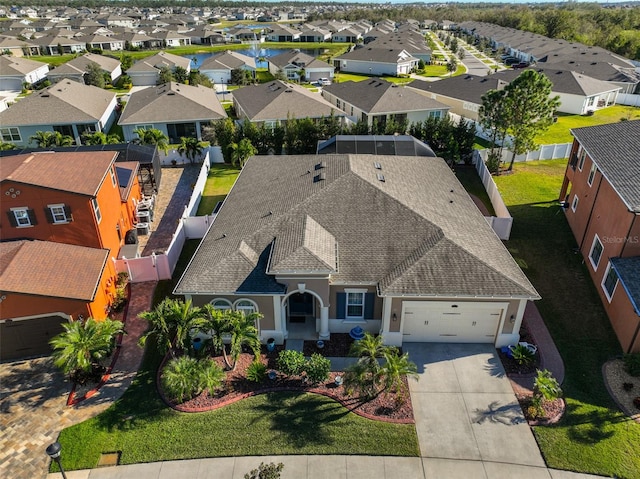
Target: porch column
column 386, row 314
column 277, row 313
column 283, row 320
column 324, row 323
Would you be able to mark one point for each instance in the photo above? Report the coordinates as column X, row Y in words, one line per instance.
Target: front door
column 301, row 307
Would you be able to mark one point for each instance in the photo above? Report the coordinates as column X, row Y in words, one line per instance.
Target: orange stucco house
column 601, row 191
column 65, row 216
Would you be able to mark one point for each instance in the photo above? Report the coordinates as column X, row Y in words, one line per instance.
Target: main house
column 77, row 68
column 78, row 207
column 601, row 190
column 296, row 65
column 375, row 102
column 320, row 244
column 218, row 67
column 177, row 110
column 368, row 60
column 146, row 72
column 68, row 107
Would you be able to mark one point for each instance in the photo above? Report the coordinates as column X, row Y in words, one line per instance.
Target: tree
column 493, row 118
column 529, row 110
column 83, row 343
column 159, row 328
column 452, row 65
column 196, row 78
column 240, row 76
column 190, row 147
column 224, row 135
column 395, row 368
column 126, row 62
column 47, row 139
column 94, row 75
column 280, row 75
column 461, row 53
column 152, row 136
column 180, row 75
column 165, row 75
column 241, row 152
column 100, row 138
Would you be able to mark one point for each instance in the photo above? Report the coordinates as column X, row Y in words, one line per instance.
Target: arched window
column 221, row 304
column 246, row 306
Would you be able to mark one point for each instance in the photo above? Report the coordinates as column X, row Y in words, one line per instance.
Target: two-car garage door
column 446, row 322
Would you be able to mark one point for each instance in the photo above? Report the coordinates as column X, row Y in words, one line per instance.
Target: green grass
column 469, row 178
column 221, row 179
column 434, row 71
column 53, row 60
column 264, row 76
column 593, row 437
column 559, row 131
column 341, row 77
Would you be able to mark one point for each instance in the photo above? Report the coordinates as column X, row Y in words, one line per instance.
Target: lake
column 253, row 53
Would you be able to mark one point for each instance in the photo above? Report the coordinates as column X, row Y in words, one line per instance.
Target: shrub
column 632, row 363
column 522, row 354
column 317, row 368
column 291, row 362
column 186, row 377
column 546, row 386
column 266, row 471
column 256, row 372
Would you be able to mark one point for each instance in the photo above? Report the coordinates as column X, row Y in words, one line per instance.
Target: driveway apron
column 465, row 408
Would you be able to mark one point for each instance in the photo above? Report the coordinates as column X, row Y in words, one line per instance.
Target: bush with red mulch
column 387, row 406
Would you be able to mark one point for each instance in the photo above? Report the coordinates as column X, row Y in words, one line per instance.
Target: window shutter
column 48, row 215
column 341, row 305
column 67, row 213
column 32, row 217
column 12, row 219
column 369, row 301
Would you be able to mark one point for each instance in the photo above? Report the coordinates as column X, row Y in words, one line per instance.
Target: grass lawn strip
column 594, row 436
column 221, row 179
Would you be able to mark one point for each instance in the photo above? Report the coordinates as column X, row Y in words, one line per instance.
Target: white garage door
column 442, row 322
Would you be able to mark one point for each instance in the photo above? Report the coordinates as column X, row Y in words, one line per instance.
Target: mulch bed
column 512, row 367
column 385, row 407
column 337, row 346
column 553, row 411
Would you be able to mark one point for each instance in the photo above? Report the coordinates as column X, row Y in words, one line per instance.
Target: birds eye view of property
column 308, row 240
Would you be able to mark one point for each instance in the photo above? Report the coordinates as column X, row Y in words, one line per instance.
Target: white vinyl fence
column 502, row 222
column 545, row 152
column 628, row 99
column 160, row 266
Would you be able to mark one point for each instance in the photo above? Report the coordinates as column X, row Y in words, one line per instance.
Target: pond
column 256, row 53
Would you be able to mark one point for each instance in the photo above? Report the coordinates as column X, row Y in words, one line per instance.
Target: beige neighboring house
column 16, row 71
column 377, row 61
column 273, row 102
column 146, row 72
column 322, row 244
column 16, row 47
column 68, row 107
column 76, row 68
column 175, row 109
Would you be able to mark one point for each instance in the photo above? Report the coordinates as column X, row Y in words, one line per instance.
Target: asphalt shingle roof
column 65, row 102
column 53, row 269
column 615, row 148
column 278, row 100
column 415, row 233
column 379, row 96
column 76, row 172
column 228, row 61
column 172, row 102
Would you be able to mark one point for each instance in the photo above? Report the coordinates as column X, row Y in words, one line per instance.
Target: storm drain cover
column 109, row 459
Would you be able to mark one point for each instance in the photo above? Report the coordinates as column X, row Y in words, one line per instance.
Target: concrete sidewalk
column 326, row 467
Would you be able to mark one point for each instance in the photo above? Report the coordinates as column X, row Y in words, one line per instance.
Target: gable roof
column 278, row 100
column 228, row 60
column 172, row 102
column 53, row 269
column 379, row 96
column 408, row 239
column 11, row 66
column 63, row 103
column 615, row 149
column 380, row 55
column 82, row 62
column 75, row 172
column 159, row 60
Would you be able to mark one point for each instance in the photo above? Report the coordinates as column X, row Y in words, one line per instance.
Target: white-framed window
column 96, row 209
column 22, row 217
column 112, row 174
column 574, row 203
column 596, row 252
column 246, row 306
column 609, row 282
column 58, row 214
column 10, row 134
column 582, row 154
column 592, row 174
column 221, row 304
column 355, row 303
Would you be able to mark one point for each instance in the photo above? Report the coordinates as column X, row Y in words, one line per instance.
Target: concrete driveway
column 465, row 410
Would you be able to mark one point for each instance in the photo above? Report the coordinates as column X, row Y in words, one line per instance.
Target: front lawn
column 221, row 179
column 559, row 131
column 593, row 437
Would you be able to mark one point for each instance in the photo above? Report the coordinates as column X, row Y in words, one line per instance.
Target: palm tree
column 369, row 349
column 395, row 368
column 191, row 147
column 47, row 139
column 159, row 328
column 186, row 377
column 152, row 136
column 82, row 344
column 241, row 152
column 100, row 138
